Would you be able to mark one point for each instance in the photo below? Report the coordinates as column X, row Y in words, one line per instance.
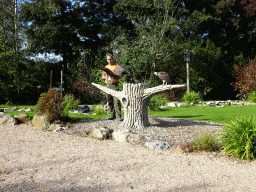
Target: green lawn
column 203, row 113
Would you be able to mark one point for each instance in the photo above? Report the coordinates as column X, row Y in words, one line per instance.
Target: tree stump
column 135, row 99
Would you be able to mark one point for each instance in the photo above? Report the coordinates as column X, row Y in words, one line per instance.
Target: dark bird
column 117, row 73
column 165, row 77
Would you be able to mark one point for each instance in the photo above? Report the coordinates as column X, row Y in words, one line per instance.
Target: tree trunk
column 135, row 99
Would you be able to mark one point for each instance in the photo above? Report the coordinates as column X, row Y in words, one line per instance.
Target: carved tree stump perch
column 135, row 99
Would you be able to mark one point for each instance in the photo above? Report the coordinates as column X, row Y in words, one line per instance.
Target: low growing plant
column 99, row 110
column 69, row 102
column 156, row 102
column 252, row 96
column 50, row 103
column 239, row 138
column 206, row 142
column 191, row 97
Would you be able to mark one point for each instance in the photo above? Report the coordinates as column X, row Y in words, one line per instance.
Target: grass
column 220, row 115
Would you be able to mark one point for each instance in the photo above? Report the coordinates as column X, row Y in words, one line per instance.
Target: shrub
column 245, row 77
column 239, row 138
column 191, row 97
column 50, row 103
column 69, row 102
column 206, row 142
column 156, row 102
column 99, row 110
column 252, row 96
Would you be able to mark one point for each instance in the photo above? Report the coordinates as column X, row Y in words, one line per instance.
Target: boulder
column 22, row 109
column 13, row 109
column 40, row 121
column 101, row 133
column 122, row 135
column 53, row 127
column 29, row 109
column 184, row 147
column 157, row 145
column 22, row 117
column 84, row 109
column 7, row 119
column 136, row 139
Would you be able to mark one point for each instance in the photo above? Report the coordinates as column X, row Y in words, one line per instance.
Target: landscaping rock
column 53, row 127
column 157, row 145
column 22, row 109
column 29, row 109
column 101, row 133
column 40, row 121
column 7, row 119
column 136, row 139
column 121, row 135
column 13, row 109
column 60, row 129
column 22, row 117
column 184, row 147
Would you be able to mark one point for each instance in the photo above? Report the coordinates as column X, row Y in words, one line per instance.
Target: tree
column 158, row 24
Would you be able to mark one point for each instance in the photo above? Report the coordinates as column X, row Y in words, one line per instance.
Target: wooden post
column 51, row 79
column 135, row 99
column 61, row 81
column 187, row 77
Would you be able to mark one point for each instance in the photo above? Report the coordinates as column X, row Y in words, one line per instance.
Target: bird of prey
column 165, row 77
column 117, row 73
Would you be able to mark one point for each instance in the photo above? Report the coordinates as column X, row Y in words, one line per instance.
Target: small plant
column 99, row 110
column 156, row 102
column 191, row 97
column 252, row 96
column 69, row 102
column 206, row 142
column 239, row 138
column 50, row 103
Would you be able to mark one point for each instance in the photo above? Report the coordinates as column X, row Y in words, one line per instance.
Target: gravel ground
column 35, row 160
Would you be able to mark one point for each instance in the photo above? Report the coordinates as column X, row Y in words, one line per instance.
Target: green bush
column 191, row 97
column 206, row 142
column 50, row 103
column 239, row 138
column 99, row 110
column 252, row 96
column 156, row 102
column 69, row 102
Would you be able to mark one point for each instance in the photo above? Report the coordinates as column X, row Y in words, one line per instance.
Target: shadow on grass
column 172, row 122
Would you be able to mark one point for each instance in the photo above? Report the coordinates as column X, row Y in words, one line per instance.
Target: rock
column 184, row 147
column 84, row 109
column 22, row 117
column 174, row 104
column 53, row 127
column 40, row 121
column 22, row 109
column 157, row 145
column 13, row 109
column 60, row 129
column 121, row 135
column 29, row 109
column 7, row 119
column 101, row 133
column 3, row 109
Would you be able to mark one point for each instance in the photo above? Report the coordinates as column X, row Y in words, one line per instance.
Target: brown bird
column 117, row 73
column 165, row 77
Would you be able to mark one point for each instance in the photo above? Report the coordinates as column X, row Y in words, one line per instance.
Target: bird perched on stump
column 117, row 73
column 165, row 77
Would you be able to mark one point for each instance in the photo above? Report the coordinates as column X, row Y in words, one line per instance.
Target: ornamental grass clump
column 239, row 138
column 252, row 96
column 50, row 104
column 206, row 142
column 69, row 102
column 191, row 97
column 156, row 102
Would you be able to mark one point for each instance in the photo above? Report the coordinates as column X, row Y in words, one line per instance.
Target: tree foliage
column 245, row 75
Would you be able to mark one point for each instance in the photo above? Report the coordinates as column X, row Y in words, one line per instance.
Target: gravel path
column 35, row 160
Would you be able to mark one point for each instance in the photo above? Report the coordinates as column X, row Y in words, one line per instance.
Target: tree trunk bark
column 135, row 99
column 136, row 111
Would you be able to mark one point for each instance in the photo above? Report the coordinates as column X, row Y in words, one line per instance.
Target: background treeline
column 146, row 35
